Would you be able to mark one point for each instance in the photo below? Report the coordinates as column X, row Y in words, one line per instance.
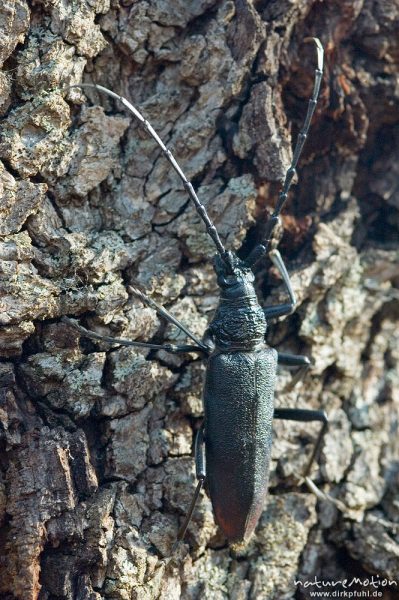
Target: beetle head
column 234, row 278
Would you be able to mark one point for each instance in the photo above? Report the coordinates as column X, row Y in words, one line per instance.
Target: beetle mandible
column 233, row 446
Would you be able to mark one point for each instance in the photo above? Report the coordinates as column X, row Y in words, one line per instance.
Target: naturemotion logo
column 369, row 587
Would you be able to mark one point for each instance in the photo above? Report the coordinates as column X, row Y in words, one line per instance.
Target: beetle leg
column 279, row 310
column 307, row 415
column 208, row 340
column 294, row 360
column 200, row 471
column 174, row 349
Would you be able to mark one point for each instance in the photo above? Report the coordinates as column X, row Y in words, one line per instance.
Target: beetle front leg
column 279, row 310
column 200, row 471
column 294, row 360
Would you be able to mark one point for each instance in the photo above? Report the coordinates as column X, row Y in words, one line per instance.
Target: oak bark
column 96, row 467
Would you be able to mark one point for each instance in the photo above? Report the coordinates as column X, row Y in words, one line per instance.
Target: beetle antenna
column 262, row 249
column 188, row 186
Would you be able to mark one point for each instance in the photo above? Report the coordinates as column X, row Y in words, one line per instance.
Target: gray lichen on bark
column 96, row 469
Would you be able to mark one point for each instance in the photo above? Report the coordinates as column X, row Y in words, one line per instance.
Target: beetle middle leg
column 294, row 360
column 305, row 415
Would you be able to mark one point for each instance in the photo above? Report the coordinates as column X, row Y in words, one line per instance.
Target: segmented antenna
column 166, row 315
column 123, row 342
column 262, row 249
column 200, row 208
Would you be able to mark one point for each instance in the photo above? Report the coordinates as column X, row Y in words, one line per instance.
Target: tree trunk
column 96, row 469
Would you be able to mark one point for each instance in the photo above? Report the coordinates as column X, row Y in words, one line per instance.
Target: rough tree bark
column 96, row 468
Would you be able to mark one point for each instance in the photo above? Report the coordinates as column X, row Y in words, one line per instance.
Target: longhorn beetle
column 233, row 446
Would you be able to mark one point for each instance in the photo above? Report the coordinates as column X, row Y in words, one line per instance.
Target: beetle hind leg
column 200, row 471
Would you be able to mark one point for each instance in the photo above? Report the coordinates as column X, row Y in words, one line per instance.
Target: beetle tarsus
column 324, row 496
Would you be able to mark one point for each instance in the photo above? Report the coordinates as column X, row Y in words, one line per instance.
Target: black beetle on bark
column 233, row 446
